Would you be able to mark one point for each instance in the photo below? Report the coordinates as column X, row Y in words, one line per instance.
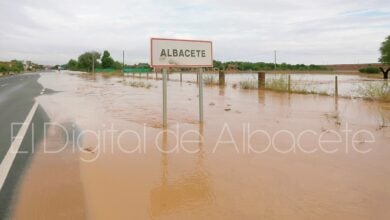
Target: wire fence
column 323, row 84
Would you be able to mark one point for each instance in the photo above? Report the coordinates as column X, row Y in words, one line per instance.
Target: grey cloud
column 51, row 31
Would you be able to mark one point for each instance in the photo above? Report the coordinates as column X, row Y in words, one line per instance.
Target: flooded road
column 258, row 155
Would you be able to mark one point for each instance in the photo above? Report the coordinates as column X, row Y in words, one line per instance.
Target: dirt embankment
column 353, row 67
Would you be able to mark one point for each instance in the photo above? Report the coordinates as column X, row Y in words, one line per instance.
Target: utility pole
column 275, row 59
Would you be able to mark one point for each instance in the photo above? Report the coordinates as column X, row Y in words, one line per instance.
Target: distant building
column 4, row 63
column 30, row 66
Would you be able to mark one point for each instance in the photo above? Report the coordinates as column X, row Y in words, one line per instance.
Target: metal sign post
column 165, row 98
column 201, row 95
column 178, row 53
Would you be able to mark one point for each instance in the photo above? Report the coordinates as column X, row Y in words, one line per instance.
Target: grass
column 280, row 84
column 109, row 74
column 248, row 84
column 140, row 84
column 277, row 84
column 375, row 91
column 308, row 91
column 210, row 80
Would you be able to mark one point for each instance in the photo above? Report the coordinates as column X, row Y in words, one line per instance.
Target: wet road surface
column 17, row 97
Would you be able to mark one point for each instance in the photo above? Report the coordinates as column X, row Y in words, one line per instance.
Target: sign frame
column 176, row 65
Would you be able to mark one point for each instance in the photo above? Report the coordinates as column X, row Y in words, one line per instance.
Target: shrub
column 4, row 68
column 369, row 69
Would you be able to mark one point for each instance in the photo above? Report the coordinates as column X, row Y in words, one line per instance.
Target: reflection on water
column 336, row 104
column 261, row 96
column 189, row 191
column 384, row 111
column 221, row 90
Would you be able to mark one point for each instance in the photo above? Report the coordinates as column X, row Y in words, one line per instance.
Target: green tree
column 107, row 61
column 17, row 66
column 117, row 65
column 217, row 64
column 72, row 65
column 85, row 60
column 143, row 65
column 4, row 68
column 385, row 56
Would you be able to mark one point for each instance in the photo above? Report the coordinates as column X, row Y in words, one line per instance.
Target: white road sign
column 181, row 53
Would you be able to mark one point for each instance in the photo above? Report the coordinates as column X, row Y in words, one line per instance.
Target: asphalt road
column 17, row 97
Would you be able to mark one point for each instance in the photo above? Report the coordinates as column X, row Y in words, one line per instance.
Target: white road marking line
column 9, row 158
column 5, row 84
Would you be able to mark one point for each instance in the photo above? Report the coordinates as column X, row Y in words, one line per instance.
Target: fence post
column 147, row 75
column 221, row 78
column 336, row 87
column 133, row 74
column 289, row 83
column 181, row 77
column 261, row 80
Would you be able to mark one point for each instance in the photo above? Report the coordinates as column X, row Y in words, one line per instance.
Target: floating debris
column 89, row 149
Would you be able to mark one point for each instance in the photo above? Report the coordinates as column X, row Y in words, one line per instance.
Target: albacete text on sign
column 182, row 53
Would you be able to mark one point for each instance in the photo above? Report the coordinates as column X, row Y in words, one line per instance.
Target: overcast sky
column 301, row 31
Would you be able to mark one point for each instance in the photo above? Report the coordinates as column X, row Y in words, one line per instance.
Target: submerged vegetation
column 277, row 84
column 375, row 90
column 140, row 84
column 109, row 74
column 248, row 84
column 281, row 84
column 210, row 80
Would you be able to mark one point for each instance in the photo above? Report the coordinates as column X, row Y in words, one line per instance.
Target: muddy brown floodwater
column 259, row 154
